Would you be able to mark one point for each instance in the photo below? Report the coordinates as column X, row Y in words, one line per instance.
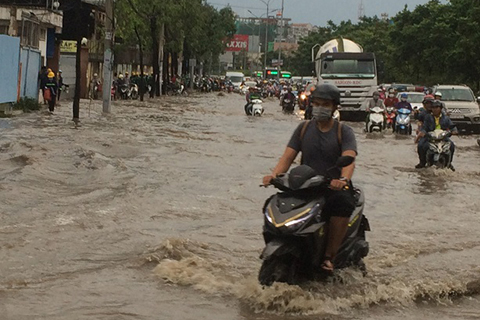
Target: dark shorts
column 339, row 203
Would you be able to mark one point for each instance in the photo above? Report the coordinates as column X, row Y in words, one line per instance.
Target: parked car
column 462, row 106
column 415, row 99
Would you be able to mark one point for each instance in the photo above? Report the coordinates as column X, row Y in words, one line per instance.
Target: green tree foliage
column 434, row 43
column 192, row 27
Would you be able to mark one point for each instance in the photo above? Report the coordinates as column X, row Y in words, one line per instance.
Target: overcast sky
column 318, row 12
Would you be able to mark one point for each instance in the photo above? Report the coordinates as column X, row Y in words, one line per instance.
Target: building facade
column 29, row 38
column 37, row 26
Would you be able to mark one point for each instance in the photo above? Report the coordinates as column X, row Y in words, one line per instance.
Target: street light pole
column 280, row 44
column 266, row 47
column 267, row 3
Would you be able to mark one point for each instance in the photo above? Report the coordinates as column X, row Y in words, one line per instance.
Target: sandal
column 327, row 265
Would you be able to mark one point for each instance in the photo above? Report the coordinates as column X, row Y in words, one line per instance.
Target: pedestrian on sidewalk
column 50, row 91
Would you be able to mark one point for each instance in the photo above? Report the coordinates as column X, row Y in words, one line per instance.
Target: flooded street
column 154, row 212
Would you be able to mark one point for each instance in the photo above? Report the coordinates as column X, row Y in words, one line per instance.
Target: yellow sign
column 68, row 46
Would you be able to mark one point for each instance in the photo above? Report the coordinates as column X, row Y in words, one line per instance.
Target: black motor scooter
column 295, row 230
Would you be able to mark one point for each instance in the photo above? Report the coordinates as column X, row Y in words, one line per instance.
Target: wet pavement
column 153, row 212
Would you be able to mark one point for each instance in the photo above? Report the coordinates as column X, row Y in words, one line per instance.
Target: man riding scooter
column 433, row 121
column 403, row 103
column 322, row 141
column 288, row 101
column 375, row 102
column 251, row 95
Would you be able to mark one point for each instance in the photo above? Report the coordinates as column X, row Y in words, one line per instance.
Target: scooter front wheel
column 442, row 162
column 277, row 269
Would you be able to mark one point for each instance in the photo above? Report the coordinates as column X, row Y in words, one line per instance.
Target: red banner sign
column 239, row 42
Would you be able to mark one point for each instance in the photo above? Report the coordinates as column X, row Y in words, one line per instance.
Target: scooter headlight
column 446, row 147
column 267, row 215
column 300, row 221
column 303, row 96
column 296, row 223
column 400, row 121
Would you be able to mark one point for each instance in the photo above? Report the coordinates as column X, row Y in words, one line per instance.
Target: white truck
column 343, row 63
column 237, row 79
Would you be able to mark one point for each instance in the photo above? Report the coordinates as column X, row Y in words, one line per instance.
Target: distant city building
column 299, row 30
column 282, row 35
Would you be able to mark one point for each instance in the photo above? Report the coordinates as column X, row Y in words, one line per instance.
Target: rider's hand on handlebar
column 267, row 179
column 336, row 184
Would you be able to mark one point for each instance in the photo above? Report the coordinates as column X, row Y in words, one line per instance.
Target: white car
column 462, row 106
column 415, row 99
column 247, row 84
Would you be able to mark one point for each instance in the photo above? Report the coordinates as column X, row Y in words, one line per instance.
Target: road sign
column 276, row 62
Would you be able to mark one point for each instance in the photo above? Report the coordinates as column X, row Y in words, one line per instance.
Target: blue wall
column 9, row 62
column 31, row 60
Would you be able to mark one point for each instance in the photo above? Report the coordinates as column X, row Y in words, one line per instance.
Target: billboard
column 68, row 47
column 238, row 43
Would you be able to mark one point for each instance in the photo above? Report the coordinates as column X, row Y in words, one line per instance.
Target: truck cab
column 343, row 63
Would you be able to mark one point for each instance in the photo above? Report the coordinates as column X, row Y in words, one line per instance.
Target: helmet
column 126, row 73
column 438, row 94
column 328, row 92
column 428, row 98
column 120, row 76
column 51, row 75
column 376, row 94
column 437, row 103
column 404, row 95
column 59, row 71
column 95, row 75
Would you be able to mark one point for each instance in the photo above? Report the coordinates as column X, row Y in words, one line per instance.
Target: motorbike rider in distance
column 391, row 100
column 251, row 94
column 436, row 120
column 289, row 95
column 374, row 102
column 438, row 96
column 94, row 86
column 403, row 103
column 322, row 142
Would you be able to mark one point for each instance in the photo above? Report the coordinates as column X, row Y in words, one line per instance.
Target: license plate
column 456, row 116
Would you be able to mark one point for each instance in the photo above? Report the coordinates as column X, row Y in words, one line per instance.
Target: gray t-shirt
column 379, row 103
column 320, row 150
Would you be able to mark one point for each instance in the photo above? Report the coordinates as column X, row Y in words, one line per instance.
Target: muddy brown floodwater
column 154, row 212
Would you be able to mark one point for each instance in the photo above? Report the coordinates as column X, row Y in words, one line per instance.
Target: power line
column 233, row 6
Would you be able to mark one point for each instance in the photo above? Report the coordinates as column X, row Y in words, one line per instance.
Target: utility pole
column 108, row 57
column 266, row 44
column 76, row 99
column 280, row 44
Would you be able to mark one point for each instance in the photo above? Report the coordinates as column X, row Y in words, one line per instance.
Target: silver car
column 461, row 104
